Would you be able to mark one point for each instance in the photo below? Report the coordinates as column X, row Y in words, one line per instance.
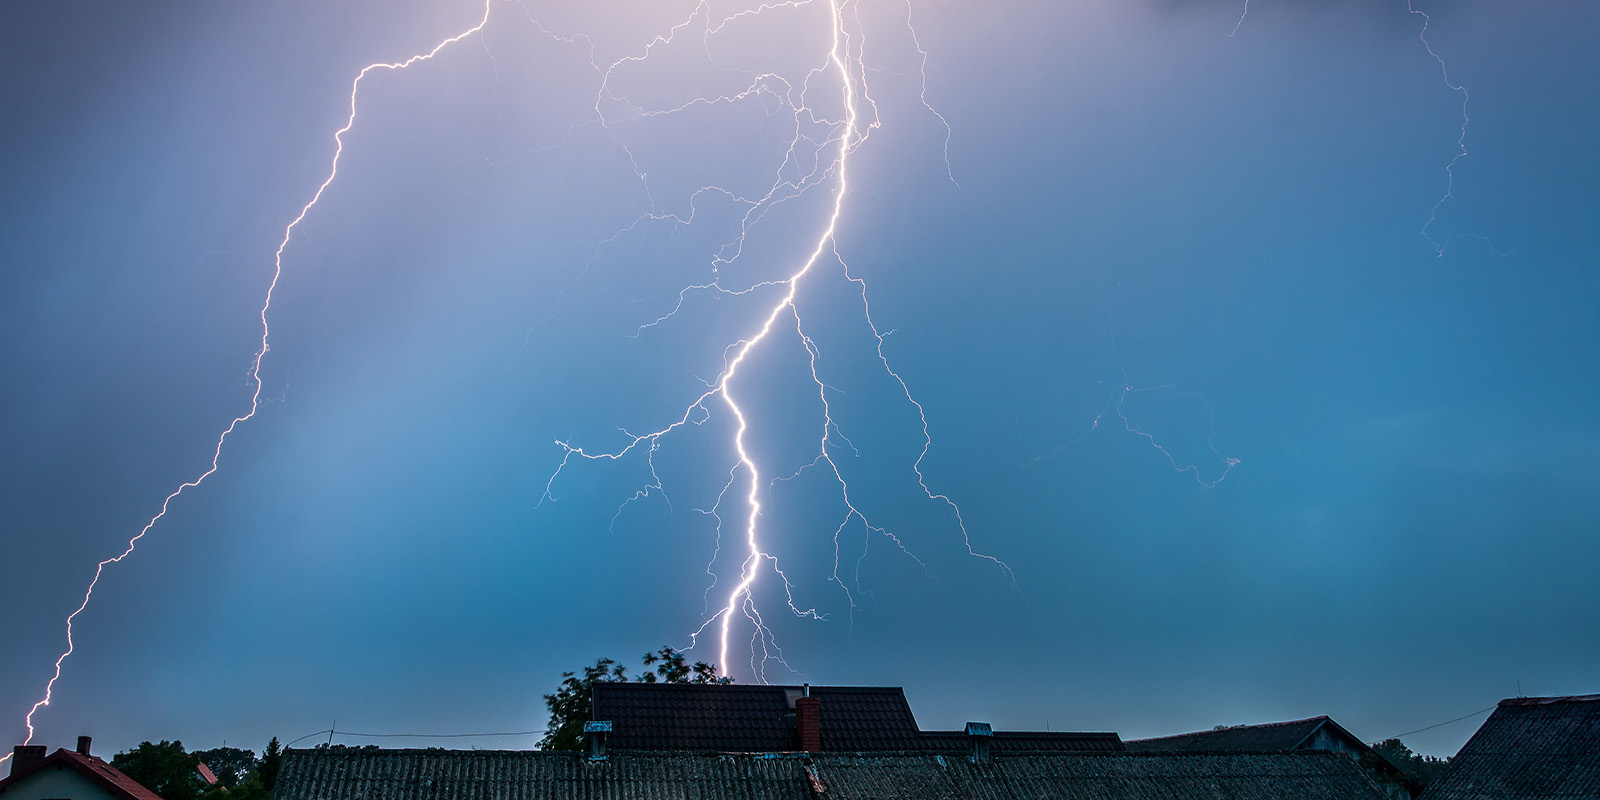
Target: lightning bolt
column 1461, row 140
column 1240, row 23
column 844, row 61
column 256, row 400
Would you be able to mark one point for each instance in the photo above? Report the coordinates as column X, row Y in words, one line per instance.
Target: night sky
column 1153, row 248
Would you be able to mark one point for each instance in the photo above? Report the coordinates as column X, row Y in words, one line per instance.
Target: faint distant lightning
column 255, row 365
column 1461, row 141
column 847, row 136
column 1118, row 397
column 1240, row 23
column 1228, row 462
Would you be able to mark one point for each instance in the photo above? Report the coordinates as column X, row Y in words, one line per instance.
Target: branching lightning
column 844, row 61
column 256, row 400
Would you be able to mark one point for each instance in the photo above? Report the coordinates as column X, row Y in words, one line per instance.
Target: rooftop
column 713, row 718
column 373, row 774
column 1530, row 748
column 1272, row 737
column 108, row 777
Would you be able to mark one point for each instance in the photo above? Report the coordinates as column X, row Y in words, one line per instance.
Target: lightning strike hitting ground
column 255, row 364
column 844, row 61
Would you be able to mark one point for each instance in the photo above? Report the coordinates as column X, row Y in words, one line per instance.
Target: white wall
column 56, row 782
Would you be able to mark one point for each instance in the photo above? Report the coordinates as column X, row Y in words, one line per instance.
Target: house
column 676, row 742
column 67, row 775
column 1530, row 748
column 1314, row 733
column 730, row 718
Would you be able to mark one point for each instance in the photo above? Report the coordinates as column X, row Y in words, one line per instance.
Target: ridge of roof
column 1320, row 718
column 1543, row 701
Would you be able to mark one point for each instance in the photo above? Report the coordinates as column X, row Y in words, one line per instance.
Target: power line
column 309, row 735
column 435, row 735
column 335, row 732
column 1442, row 724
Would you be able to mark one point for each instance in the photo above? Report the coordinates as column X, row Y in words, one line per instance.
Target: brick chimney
column 25, row 756
column 808, row 721
column 83, row 745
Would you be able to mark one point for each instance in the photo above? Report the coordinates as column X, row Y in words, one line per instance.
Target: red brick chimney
column 83, row 745
column 808, row 721
column 24, row 756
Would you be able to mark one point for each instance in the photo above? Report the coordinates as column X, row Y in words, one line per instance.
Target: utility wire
column 434, row 735
column 1441, row 724
column 309, row 735
column 412, row 735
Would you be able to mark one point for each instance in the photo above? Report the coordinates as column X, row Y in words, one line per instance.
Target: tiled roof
column 109, row 778
column 506, row 775
column 1530, row 748
column 1274, row 737
column 693, row 717
column 710, row 718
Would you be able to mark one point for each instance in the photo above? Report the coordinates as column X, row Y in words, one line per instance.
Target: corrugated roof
column 108, row 777
column 1272, row 737
column 521, row 775
column 1530, row 748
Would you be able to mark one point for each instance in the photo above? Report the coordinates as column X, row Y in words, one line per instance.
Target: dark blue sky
column 1230, row 225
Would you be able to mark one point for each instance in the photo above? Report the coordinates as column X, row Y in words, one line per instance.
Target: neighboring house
column 1315, row 733
column 373, row 774
column 67, row 775
column 713, row 718
column 1530, row 748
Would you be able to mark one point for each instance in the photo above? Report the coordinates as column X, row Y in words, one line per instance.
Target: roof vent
column 979, row 735
column 594, row 737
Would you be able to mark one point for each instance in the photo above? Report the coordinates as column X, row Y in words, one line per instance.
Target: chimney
column 594, row 738
column 808, row 720
column 25, row 756
column 83, row 745
column 979, row 735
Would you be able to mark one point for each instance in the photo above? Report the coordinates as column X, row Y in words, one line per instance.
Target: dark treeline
column 168, row 770
column 1422, row 769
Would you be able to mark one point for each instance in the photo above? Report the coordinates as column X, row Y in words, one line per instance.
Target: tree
column 570, row 706
column 1422, row 769
column 162, row 768
column 671, row 667
column 267, row 770
column 231, row 765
